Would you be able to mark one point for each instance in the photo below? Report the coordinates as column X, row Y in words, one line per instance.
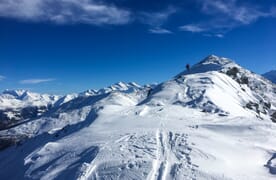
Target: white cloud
column 2, row 78
column 35, row 81
column 192, row 28
column 156, row 19
column 223, row 15
column 245, row 14
column 219, row 35
column 159, row 30
column 220, row 16
column 64, row 11
column 214, row 35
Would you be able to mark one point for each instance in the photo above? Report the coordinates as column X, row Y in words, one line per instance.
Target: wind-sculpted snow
column 211, row 92
column 212, row 122
column 263, row 91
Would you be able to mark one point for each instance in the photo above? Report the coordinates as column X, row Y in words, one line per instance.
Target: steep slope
column 271, row 75
column 212, row 92
column 212, row 122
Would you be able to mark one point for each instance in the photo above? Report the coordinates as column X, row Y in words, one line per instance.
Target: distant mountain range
column 271, row 75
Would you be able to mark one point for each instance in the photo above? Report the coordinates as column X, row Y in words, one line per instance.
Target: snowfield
column 208, row 123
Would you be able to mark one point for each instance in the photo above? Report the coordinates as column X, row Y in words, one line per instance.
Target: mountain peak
column 212, row 56
column 213, row 59
column 15, row 93
column 209, row 63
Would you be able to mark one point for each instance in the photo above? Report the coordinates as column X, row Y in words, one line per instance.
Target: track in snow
column 172, row 157
column 161, row 162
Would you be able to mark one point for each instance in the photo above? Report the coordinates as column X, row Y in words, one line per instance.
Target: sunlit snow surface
column 169, row 142
column 195, row 126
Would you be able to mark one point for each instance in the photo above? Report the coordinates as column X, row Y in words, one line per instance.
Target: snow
column 208, row 91
column 121, row 144
column 194, row 126
column 23, row 98
column 210, row 63
column 65, row 99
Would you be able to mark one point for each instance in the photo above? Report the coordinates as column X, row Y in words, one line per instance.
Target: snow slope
column 212, row 122
column 218, row 85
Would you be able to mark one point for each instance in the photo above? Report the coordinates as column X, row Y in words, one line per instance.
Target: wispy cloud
column 199, row 29
column 159, row 30
column 64, row 11
column 192, row 28
column 226, row 15
column 157, row 19
column 2, row 77
column 215, row 16
column 245, row 14
column 35, row 81
column 83, row 11
column 219, row 35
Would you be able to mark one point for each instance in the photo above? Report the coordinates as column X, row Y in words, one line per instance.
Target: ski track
column 172, row 157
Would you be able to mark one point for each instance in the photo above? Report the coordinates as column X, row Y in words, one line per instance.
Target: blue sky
column 62, row 46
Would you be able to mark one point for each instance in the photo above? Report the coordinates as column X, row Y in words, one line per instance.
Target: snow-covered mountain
column 214, row 121
column 23, row 98
column 21, row 105
column 18, row 105
column 218, row 85
column 271, row 75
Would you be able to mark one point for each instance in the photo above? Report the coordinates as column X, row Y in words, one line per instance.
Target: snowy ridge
column 214, row 81
column 210, row 63
column 117, row 87
column 23, row 98
column 20, row 105
column 214, row 121
column 205, row 91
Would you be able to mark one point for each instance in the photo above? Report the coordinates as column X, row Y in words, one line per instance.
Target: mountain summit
column 205, row 123
column 210, row 63
column 213, row 59
column 215, row 79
